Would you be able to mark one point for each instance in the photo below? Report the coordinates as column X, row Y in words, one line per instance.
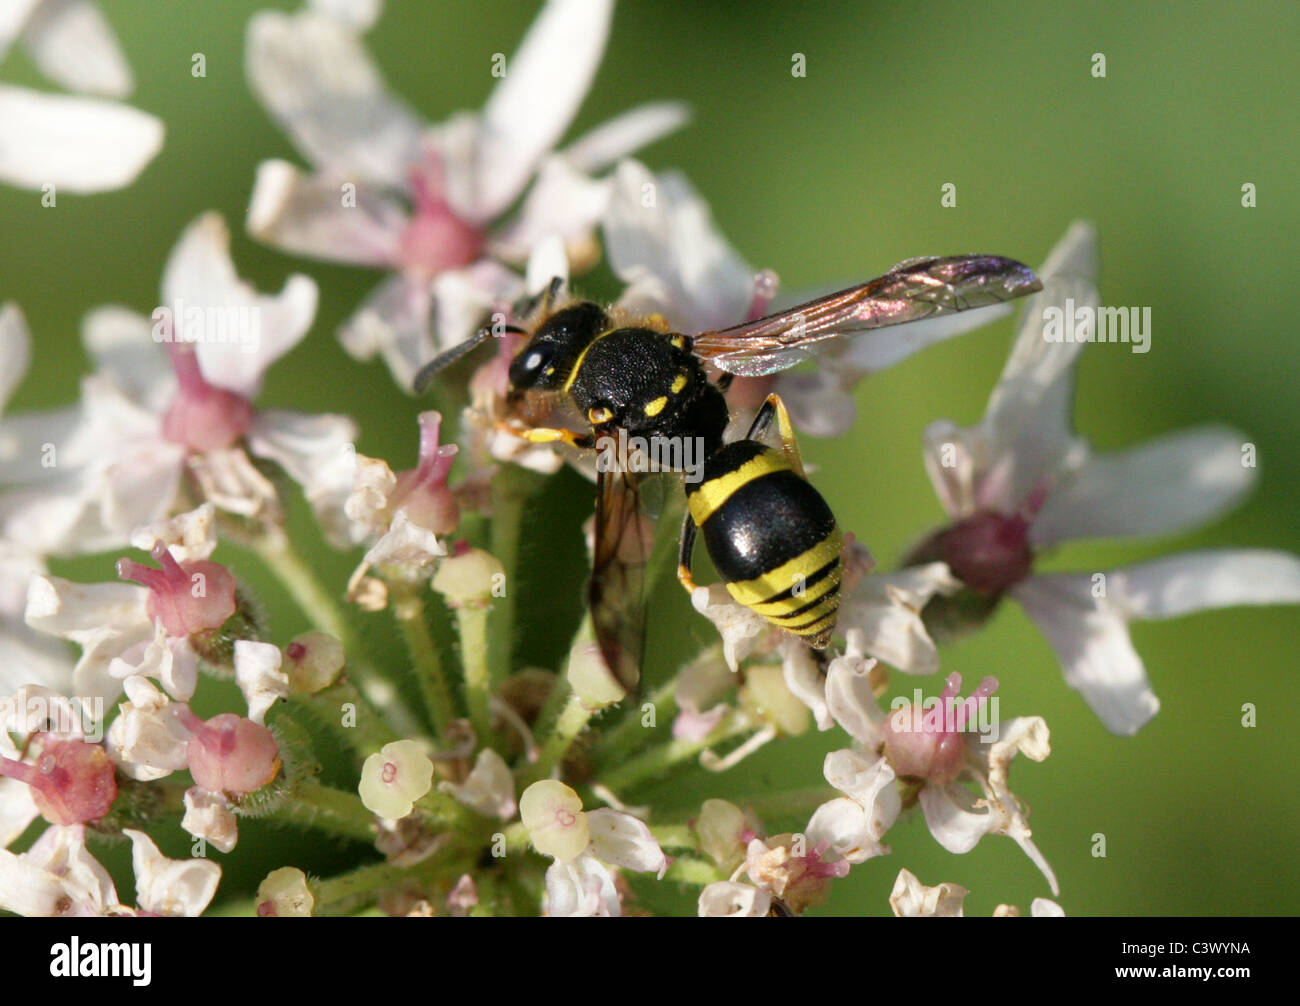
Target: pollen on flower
column 188, row 598
column 71, row 782
column 394, row 778
column 556, row 822
column 928, row 742
column 230, row 754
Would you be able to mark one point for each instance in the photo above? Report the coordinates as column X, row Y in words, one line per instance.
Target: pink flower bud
column 72, row 781
column 230, row 754
column 188, row 597
column 929, row 742
column 202, row 417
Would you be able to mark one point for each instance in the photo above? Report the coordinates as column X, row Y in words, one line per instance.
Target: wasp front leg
column 774, row 408
column 550, row 435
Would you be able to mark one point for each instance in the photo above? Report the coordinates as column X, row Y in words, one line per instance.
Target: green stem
column 659, row 759
column 444, row 811
column 312, row 805
column 408, row 610
column 511, row 491
column 568, row 725
column 348, row 714
column 472, row 623
column 326, row 613
column 620, row 741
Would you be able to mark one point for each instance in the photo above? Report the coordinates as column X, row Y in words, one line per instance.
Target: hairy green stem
column 339, row 811
column 472, row 624
column 408, row 610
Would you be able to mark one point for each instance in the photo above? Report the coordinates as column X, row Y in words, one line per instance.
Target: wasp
column 770, row 534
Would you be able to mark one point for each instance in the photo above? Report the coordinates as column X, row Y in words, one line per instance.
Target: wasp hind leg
column 685, row 549
column 774, row 408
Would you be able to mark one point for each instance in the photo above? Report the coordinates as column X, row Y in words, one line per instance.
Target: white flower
column 1023, row 480
column 71, row 43
column 489, row 789
column 729, row 899
column 258, row 675
column 426, row 202
column 178, row 887
column 122, row 450
column 145, row 739
column 57, row 876
column 208, row 816
column 911, row 899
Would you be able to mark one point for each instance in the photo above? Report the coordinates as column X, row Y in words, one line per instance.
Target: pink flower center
column 928, row 742
column 436, row 239
column 566, row 818
column 202, row 417
column 72, row 781
column 188, row 597
column 423, row 491
column 388, row 773
column 228, row 753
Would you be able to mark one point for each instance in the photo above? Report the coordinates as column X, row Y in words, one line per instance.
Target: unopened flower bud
column 423, row 492
column 766, row 693
column 468, row 578
column 556, row 823
column 929, row 742
column 394, row 778
column 71, row 782
column 285, row 894
column 723, row 831
column 313, row 661
column 590, row 677
column 230, row 754
column 188, row 598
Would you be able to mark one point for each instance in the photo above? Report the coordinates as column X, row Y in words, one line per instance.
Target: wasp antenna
column 444, row 360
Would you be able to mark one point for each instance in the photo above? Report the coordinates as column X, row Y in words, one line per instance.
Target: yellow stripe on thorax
column 716, row 491
column 577, row 364
column 762, row 588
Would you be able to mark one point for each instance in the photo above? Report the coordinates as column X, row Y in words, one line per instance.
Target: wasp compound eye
column 532, row 367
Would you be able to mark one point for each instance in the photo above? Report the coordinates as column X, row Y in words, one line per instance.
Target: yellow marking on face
column 761, row 589
column 656, row 406
column 577, row 364
column 716, row 491
column 677, row 342
column 679, row 382
column 657, row 321
column 599, row 414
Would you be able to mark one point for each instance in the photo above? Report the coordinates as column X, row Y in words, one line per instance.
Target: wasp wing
column 624, row 538
column 914, row 289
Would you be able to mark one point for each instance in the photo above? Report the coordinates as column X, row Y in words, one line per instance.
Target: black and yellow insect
column 770, row 534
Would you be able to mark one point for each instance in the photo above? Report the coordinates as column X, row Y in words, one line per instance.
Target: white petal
column 72, row 44
column 1168, row 484
column 1195, row 581
column 740, row 628
column 15, row 350
column 887, row 607
column 803, row 678
column 359, row 14
column 181, row 887
column 406, row 544
column 489, row 789
column 189, row 536
column 13, row 18
column 315, row 76
column 581, row 888
column 547, row 262
column 954, row 817
column 464, row 298
column 912, row 899
column 1045, row 908
column 208, row 816
column 17, row 811
column 625, row 134
column 562, row 202
column 317, row 453
column 258, row 674
column 1091, row 639
column 240, row 332
column 728, row 899
column 545, row 82
column 75, row 144
column 394, row 320
column 121, row 343
column 625, row 841
column 662, row 243
column 851, row 701
column 818, row 401
column 56, row 876
column 306, row 214
column 77, row 611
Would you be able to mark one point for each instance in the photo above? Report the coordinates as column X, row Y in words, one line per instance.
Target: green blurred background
column 835, row 177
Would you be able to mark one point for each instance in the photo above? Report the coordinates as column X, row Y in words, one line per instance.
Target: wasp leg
column 774, row 408
column 685, row 549
column 547, row 435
